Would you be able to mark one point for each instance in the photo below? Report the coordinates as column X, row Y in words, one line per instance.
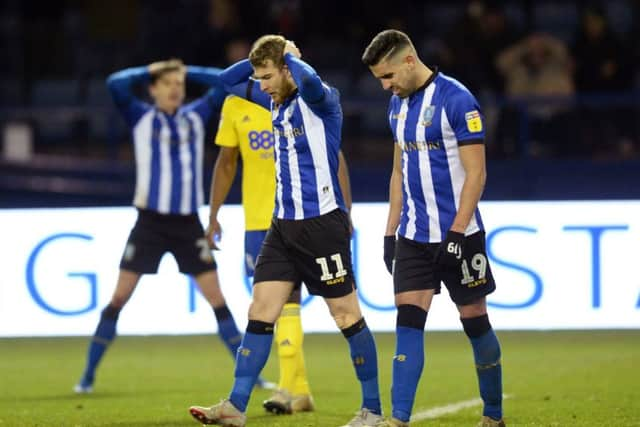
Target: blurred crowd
column 556, row 78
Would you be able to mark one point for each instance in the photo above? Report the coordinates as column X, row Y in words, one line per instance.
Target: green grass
column 589, row 378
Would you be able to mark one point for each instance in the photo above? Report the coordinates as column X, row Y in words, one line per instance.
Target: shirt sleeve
column 227, row 136
column 119, row 85
column 208, row 76
column 250, row 90
column 320, row 97
column 465, row 117
column 208, row 104
column 237, row 80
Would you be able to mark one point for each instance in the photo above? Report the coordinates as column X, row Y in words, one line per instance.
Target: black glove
column 449, row 253
column 389, row 252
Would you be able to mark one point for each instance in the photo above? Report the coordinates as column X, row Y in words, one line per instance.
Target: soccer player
column 245, row 131
column 168, row 140
column 437, row 180
column 309, row 236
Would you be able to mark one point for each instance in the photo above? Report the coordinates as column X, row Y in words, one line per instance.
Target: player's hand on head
column 450, row 251
column 290, row 47
column 389, row 252
column 213, row 233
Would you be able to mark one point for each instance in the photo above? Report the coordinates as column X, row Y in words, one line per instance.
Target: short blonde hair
column 268, row 47
column 160, row 68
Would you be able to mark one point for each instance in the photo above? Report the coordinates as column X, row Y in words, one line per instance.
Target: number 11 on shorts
column 324, row 265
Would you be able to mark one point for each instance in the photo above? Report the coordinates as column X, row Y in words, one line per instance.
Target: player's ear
column 410, row 60
column 152, row 90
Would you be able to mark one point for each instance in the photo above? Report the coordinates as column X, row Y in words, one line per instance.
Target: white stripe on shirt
column 317, row 140
column 142, row 146
column 411, row 213
column 294, row 168
column 426, row 179
column 164, row 190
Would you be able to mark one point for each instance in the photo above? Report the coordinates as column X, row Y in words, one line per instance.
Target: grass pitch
column 587, row 378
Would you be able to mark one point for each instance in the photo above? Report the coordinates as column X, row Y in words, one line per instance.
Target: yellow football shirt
column 248, row 127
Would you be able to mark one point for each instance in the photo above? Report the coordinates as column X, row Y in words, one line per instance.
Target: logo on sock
column 401, row 357
column 244, row 351
column 358, row 360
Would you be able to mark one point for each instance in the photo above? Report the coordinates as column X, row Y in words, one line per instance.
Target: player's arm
column 120, row 87
column 224, row 172
column 468, row 126
column 211, row 102
column 473, row 161
column 237, row 80
column 395, row 209
column 206, row 76
column 466, row 122
column 345, row 184
column 395, row 193
column 312, row 90
column 308, row 82
column 343, row 179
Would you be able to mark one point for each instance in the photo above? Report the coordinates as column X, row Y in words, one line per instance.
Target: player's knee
column 476, row 327
column 486, row 347
column 261, row 310
column 411, row 316
column 345, row 320
column 353, row 328
column 111, row 312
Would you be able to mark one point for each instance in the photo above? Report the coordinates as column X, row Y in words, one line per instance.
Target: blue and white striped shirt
column 307, row 127
column 169, row 149
column 429, row 126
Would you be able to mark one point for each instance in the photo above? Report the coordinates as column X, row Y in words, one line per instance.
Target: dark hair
column 384, row 43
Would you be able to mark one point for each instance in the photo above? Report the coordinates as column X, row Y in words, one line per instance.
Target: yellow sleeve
column 227, row 135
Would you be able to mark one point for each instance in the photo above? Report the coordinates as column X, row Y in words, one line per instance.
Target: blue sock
column 227, row 329
column 486, row 353
column 104, row 334
column 252, row 356
column 365, row 361
column 408, row 361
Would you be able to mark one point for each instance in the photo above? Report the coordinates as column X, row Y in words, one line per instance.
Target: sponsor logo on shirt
column 419, row 145
column 289, row 133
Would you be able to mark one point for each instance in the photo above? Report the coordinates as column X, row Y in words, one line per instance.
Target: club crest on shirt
column 474, row 122
column 427, row 116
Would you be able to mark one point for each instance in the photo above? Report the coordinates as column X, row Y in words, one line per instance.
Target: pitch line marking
column 451, row 408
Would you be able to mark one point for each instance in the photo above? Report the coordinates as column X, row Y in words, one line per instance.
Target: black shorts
column 414, row 269
column 315, row 250
column 154, row 234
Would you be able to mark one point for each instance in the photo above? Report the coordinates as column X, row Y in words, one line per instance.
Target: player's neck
column 423, row 74
column 167, row 110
